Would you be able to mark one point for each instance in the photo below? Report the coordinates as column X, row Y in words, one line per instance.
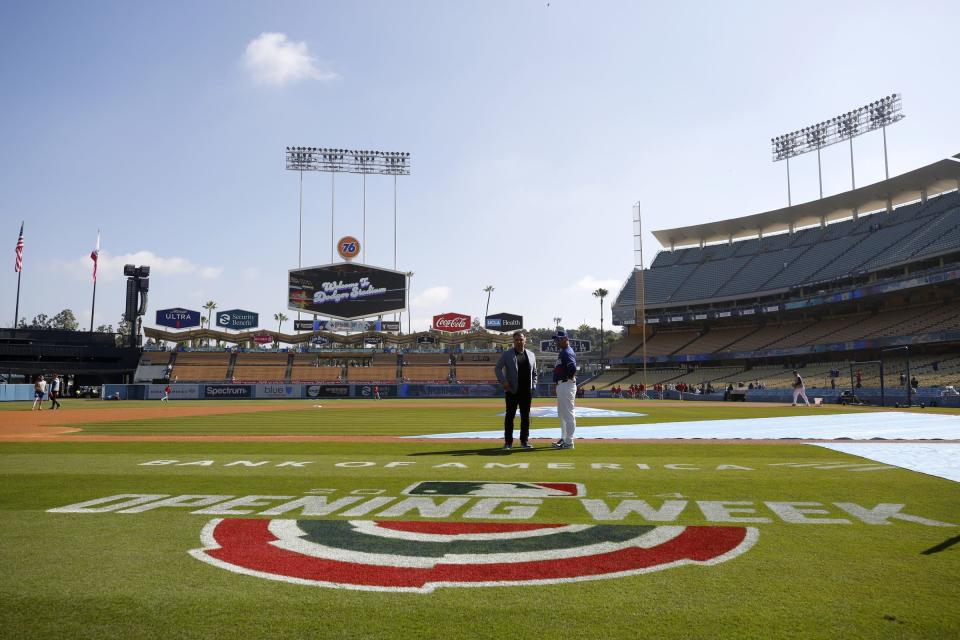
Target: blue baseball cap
column 560, row 335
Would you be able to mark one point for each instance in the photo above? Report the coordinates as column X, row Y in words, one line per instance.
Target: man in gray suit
column 517, row 372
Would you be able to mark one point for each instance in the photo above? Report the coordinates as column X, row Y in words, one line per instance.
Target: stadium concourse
column 831, row 287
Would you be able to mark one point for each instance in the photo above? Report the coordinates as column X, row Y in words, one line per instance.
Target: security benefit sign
column 347, row 290
column 237, row 319
column 503, row 322
column 178, row 318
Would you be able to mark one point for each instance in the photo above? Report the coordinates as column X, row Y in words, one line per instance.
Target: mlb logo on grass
column 490, row 489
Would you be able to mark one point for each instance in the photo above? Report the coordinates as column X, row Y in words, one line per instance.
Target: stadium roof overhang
column 930, row 180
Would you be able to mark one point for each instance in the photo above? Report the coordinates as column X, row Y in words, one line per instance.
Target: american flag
column 18, row 267
column 95, row 255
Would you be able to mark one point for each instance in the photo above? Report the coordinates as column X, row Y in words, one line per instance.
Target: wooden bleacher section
column 386, row 374
column 260, row 367
column 200, row 366
column 312, row 367
column 476, row 367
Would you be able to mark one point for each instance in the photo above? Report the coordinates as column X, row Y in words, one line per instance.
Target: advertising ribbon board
column 326, row 390
column 383, row 325
column 178, row 318
column 347, row 291
column 237, row 319
column 503, row 322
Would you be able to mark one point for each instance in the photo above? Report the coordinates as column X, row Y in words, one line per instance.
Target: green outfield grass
column 116, row 575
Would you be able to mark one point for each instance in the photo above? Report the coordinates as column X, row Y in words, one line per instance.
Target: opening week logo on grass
column 421, row 556
column 482, row 549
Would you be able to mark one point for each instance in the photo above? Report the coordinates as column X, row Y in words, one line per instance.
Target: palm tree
column 209, row 306
column 601, row 293
column 488, row 289
column 279, row 317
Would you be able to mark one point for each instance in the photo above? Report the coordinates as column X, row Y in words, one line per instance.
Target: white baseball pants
column 566, row 399
column 800, row 392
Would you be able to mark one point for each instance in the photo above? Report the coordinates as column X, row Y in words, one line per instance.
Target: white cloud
column 591, row 284
column 110, row 267
column 432, row 295
column 272, row 59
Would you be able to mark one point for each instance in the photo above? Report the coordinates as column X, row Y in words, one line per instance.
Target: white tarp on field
column 809, row 425
column 935, row 459
column 582, row 412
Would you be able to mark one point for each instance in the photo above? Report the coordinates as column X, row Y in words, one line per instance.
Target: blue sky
column 533, row 127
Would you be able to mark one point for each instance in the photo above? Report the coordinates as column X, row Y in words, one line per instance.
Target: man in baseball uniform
column 799, row 391
column 565, row 376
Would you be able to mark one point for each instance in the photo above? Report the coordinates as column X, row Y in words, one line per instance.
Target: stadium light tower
column 846, row 126
column 334, row 161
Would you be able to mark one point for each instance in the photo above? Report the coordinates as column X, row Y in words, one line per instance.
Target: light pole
column 846, row 126
column 333, row 161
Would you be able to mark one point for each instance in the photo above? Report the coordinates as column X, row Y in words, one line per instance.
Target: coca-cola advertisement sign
column 451, row 322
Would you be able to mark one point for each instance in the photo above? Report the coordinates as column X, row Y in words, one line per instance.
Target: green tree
column 123, row 331
column 40, row 321
column 280, row 318
column 64, row 320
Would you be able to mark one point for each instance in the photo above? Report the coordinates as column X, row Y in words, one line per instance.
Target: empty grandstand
column 815, row 286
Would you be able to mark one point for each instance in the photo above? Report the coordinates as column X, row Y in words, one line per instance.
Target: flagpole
column 19, row 267
column 16, row 313
column 93, row 306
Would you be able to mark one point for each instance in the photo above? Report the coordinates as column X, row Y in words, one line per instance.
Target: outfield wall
column 927, row 396
column 13, row 392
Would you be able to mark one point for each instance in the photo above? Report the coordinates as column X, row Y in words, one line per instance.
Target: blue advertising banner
column 237, row 319
column 503, row 322
column 178, row 318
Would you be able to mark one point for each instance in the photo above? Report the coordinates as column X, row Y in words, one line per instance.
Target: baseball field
column 333, row 519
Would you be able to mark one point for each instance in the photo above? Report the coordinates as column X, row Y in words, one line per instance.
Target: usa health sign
column 178, row 318
column 237, row 319
column 503, row 322
column 347, row 290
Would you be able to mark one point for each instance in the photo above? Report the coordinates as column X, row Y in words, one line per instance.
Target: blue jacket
column 507, row 370
column 566, row 367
